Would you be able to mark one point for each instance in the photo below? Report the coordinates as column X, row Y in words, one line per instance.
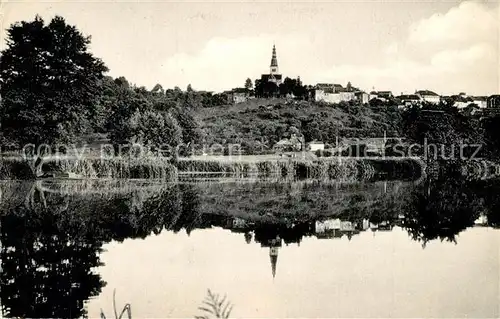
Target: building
column 384, row 95
column 429, row 96
column 323, row 96
column 336, row 93
column 493, row 101
column 274, row 244
column 239, row 223
column 362, row 97
column 238, row 95
column 365, row 224
column 385, row 226
column 482, row 220
column 381, row 95
column 460, row 101
column 293, row 144
column 471, row 109
column 346, row 226
column 330, row 88
column 316, row 146
column 273, row 256
column 327, row 225
column 327, row 229
column 274, row 75
column 481, row 101
column 410, row 100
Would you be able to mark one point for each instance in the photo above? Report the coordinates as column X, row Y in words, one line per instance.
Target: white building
column 428, row 96
column 480, row 101
column 337, row 97
column 329, row 224
column 409, row 100
column 362, row 97
column 365, row 224
column 316, row 146
column 347, row 226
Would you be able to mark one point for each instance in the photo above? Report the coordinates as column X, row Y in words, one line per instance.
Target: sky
column 403, row 46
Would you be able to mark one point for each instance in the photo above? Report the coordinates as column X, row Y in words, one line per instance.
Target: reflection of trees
column 489, row 191
column 441, row 209
column 46, row 264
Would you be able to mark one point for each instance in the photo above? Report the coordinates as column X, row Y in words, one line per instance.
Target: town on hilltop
column 274, row 84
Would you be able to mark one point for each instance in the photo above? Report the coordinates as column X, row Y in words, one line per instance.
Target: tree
column 248, row 84
column 122, row 81
column 124, row 105
column 49, row 83
column 491, row 128
column 191, row 131
column 155, row 130
column 441, row 209
column 189, row 88
column 158, row 89
column 443, row 131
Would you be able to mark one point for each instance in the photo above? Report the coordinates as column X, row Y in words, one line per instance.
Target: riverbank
column 259, row 166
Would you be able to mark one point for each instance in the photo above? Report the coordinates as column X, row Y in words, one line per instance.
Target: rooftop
column 409, row 97
column 426, row 92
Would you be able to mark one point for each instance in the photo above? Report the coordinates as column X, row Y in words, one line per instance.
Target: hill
column 260, row 123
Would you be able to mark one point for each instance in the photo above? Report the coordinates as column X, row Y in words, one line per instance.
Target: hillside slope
column 264, row 122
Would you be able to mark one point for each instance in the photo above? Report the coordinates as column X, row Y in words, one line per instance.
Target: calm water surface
column 303, row 249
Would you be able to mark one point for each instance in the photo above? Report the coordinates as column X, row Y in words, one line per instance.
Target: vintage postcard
column 249, row 159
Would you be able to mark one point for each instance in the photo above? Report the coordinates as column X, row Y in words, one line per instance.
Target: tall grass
column 161, row 168
column 237, row 168
column 144, row 167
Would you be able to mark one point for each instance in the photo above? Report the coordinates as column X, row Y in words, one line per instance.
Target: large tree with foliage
column 49, row 82
column 156, row 130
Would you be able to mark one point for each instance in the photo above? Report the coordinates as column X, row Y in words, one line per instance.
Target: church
column 274, row 75
column 268, row 84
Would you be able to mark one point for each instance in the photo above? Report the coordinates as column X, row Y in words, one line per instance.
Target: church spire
column 274, row 61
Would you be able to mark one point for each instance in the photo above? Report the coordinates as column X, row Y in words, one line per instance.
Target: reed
column 212, row 306
column 144, row 167
column 238, row 168
column 215, row 306
column 322, row 169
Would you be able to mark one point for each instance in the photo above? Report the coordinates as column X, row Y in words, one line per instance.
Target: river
column 295, row 249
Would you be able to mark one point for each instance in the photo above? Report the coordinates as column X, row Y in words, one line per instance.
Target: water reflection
column 47, row 258
column 52, row 233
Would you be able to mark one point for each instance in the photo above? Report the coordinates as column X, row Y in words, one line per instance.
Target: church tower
column 274, row 62
column 273, row 76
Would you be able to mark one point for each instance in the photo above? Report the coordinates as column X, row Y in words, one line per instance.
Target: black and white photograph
column 249, row 159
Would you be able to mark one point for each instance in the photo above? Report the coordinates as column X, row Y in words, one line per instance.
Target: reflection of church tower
column 273, row 254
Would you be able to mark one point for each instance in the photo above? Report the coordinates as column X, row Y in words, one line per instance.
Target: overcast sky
column 445, row 46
